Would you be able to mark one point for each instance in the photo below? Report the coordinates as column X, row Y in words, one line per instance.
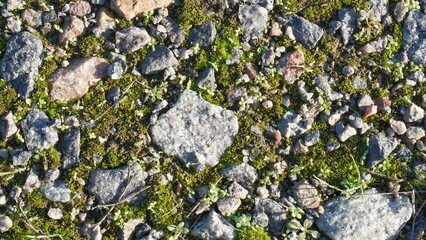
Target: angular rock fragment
column 379, row 8
column 131, row 39
column 72, row 28
column 32, row 182
column 69, row 146
column 73, row 82
column 304, row 31
column 348, row 18
column 175, row 33
column 129, row 9
column 275, row 215
column 108, row 185
column 291, row 66
column 228, row 205
column 306, row 195
column 196, row 131
column 206, row 79
column 20, row 63
column 57, row 191
column 253, row 19
column 375, row 46
column 379, row 148
column 5, row 223
column 20, row 156
column 8, row 127
column 31, row 17
column 80, row 8
column 414, row 114
column 213, row 226
column 243, row 174
column 158, row 60
column 204, row 35
column 39, row 132
column 414, row 38
column 367, row 216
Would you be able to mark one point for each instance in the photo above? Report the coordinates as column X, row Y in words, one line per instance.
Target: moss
column 253, row 233
column 191, row 13
column 8, row 99
column 162, row 205
column 91, row 46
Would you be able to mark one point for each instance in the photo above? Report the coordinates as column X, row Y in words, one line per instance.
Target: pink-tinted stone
column 80, row 8
column 129, row 9
column 73, row 27
column 291, row 66
column 72, row 82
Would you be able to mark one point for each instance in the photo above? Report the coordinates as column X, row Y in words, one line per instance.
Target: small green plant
column 213, row 195
column 295, row 212
column 303, row 230
column 412, row 4
column 242, row 221
column 178, row 231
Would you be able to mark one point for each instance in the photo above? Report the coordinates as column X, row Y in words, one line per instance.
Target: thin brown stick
column 386, row 176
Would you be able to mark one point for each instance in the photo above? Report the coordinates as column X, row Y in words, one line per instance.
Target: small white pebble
column 5, row 223
column 55, row 213
column 267, row 104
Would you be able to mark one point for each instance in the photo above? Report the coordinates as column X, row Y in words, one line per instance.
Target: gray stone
column 379, row 8
column 20, row 63
column 293, row 124
column 130, row 227
column 276, row 215
column 347, row 132
column 5, row 223
column 312, row 138
column 175, row 33
column 108, row 185
column 367, row 216
column 31, row 17
column 195, row 130
column 20, row 157
column 212, row 226
column 358, row 83
column 129, row 9
column 206, row 79
column 39, row 131
column 113, row 95
column 55, row 213
column 80, row 8
column 415, row 133
column 404, row 154
column 117, row 69
column 32, row 182
column 379, row 148
column 253, row 19
column 398, row 126
column 235, row 190
column 243, row 174
column 8, row 127
column 228, row 205
column 414, row 114
column 57, row 191
column 348, row 18
column 414, row 39
column 331, row 146
column 12, row 5
column 49, row 17
column 204, row 35
column 399, row 11
column 323, row 84
column 304, row 31
column 131, row 39
column 306, row 195
column 348, row 70
column 69, row 146
column 158, row 60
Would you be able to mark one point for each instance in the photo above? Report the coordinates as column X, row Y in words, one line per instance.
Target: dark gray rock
column 368, row 216
column 331, row 146
column 206, row 79
column 69, row 146
column 379, row 8
column 212, row 226
column 305, row 32
column 253, row 19
column 312, row 138
column 158, row 60
column 204, row 35
column 20, row 156
column 243, row 174
column 414, row 39
column 57, row 191
column 113, row 95
column 131, row 39
column 276, row 215
column 175, row 33
column 293, row 124
column 348, row 18
column 379, row 148
column 403, row 154
column 228, row 205
column 195, row 130
column 39, row 131
column 20, row 63
column 49, row 17
column 108, row 185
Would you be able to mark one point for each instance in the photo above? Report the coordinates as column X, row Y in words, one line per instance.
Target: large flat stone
column 414, row 40
column 196, row 131
column 373, row 216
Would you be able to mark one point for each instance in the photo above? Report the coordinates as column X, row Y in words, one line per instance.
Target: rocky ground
column 215, row 119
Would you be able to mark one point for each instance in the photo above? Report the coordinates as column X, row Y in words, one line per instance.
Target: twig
column 18, row 170
column 112, row 106
column 396, row 180
column 199, row 202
